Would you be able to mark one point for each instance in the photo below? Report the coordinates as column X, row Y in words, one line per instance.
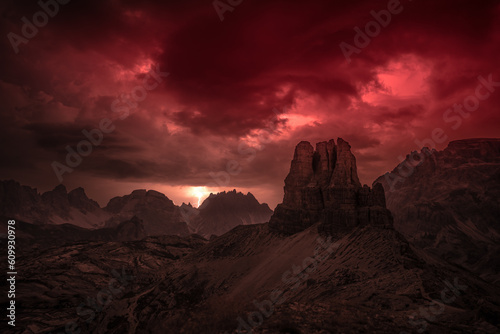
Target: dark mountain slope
column 448, row 202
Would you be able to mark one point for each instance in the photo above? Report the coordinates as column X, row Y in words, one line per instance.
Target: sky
column 193, row 97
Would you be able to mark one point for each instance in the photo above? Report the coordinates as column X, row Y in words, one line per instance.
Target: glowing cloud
column 200, row 193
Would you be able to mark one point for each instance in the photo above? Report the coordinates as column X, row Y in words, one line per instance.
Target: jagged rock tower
column 323, row 187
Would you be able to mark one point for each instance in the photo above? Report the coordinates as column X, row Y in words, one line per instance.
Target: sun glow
column 200, row 193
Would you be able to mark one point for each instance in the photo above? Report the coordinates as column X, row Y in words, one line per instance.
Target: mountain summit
column 362, row 278
column 447, row 202
column 323, row 186
column 221, row 212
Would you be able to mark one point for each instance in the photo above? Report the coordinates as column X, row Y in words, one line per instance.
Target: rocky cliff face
column 448, row 202
column 221, row 212
column 17, row 200
column 252, row 279
column 56, row 206
column 77, row 198
column 323, row 187
column 159, row 213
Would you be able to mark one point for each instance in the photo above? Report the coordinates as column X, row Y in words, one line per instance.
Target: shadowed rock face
column 448, row 202
column 368, row 280
column 221, row 212
column 218, row 214
column 56, row 206
column 159, row 213
column 39, row 237
column 323, row 186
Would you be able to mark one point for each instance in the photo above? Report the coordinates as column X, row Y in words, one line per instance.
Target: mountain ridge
column 159, row 214
column 443, row 199
column 260, row 278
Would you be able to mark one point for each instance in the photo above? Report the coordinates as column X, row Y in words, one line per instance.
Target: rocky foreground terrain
column 448, row 202
column 340, row 268
column 370, row 280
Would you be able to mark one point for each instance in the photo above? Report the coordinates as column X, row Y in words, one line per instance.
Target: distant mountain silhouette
column 52, row 207
column 160, row 216
column 221, row 212
column 346, row 272
column 448, row 202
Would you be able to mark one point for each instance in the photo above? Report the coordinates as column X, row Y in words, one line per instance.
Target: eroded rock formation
column 323, row 187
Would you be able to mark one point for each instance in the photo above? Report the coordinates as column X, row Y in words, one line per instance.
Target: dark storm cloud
column 55, row 137
column 227, row 77
column 403, row 114
column 232, row 69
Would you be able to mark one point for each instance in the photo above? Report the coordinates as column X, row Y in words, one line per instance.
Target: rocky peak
column 441, row 199
column 301, row 169
column 329, row 166
column 159, row 213
column 59, row 192
column 60, row 189
column 19, row 201
column 345, row 172
column 323, row 186
column 157, row 194
column 251, row 196
column 13, row 189
column 78, row 192
column 459, row 154
column 485, row 149
column 139, row 198
column 231, row 199
column 138, row 193
column 79, row 199
column 324, row 160
column 223, row 211
column 57, row 199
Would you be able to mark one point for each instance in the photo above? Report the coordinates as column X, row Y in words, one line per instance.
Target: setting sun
column 200, row 193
